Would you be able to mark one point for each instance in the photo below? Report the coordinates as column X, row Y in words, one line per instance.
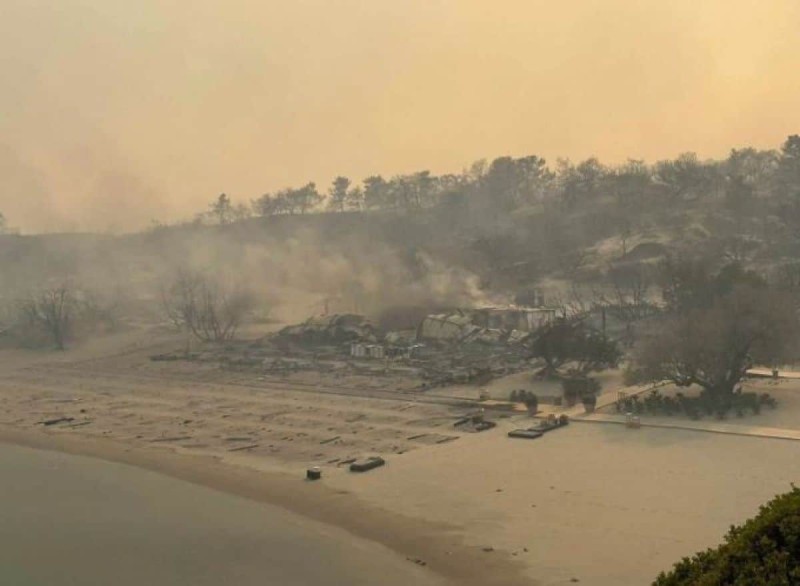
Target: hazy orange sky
column 115, row 112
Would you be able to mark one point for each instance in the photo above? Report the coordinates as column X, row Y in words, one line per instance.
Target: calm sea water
column 69, row 520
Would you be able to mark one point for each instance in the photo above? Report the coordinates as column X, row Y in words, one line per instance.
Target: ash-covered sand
column 596, row 502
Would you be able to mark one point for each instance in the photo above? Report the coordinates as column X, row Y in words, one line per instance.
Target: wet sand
column 71, row 520
column 440, row 546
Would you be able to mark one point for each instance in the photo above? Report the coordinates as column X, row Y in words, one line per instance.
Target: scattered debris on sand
column 543, row 426
column 367, row 464
column 525, row 433
column 56, row 421
column 474, row 423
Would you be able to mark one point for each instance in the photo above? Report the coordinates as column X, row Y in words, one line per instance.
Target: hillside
column 496, row 233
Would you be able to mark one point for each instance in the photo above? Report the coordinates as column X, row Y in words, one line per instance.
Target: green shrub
column 764, row 551
column 579, row 387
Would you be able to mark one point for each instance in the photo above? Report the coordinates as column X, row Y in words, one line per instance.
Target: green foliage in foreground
column 765, row 551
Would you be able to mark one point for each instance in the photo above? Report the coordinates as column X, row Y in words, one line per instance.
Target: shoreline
column 439, row 546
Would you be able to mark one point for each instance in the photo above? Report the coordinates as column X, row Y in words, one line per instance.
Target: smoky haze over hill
column 118, row 114
column 502, row 231
column 270, row 247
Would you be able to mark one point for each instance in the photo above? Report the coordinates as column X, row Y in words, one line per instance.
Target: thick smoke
column 304, row 276
column 292, row 274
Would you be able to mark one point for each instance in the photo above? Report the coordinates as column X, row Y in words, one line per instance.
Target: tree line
column 744, row 178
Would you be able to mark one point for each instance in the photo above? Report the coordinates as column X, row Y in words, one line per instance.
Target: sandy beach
column 595, row 503
column 138, row 411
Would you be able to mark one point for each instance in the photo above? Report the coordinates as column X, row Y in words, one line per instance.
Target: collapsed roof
column 487, row 325
column 337, row 328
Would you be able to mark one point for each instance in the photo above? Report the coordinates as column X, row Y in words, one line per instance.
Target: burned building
column 489, row 324
column 523, row 319
column 338, row 328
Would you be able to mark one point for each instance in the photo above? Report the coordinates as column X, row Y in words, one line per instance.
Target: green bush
column 764, row 551
column 655, row 403
column 579, row 387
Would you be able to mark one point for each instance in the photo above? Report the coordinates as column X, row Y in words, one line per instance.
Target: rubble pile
column 331, row 329
column 460, row 347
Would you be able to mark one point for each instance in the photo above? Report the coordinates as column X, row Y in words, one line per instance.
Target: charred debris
column 460, row 346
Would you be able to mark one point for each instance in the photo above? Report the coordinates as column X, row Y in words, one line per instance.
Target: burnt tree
column 206, row 307
column 51, row 310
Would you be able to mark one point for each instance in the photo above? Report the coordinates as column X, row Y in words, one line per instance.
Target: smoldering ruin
column 459, row 346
